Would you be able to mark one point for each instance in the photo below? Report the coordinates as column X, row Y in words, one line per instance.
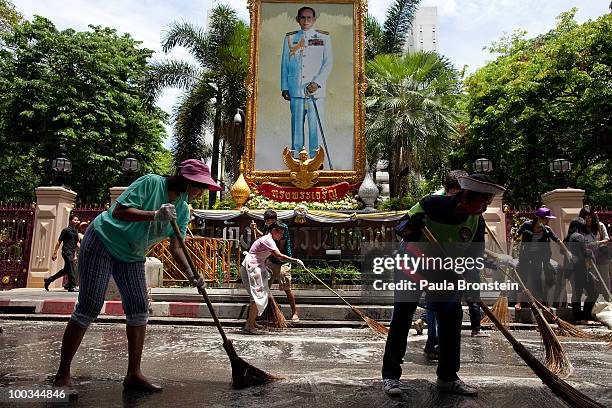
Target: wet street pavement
column 322, row 367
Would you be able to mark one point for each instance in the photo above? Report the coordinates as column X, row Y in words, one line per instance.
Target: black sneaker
column 47, row 283
column 431, row 354
column 457, row 387
column 391, row 387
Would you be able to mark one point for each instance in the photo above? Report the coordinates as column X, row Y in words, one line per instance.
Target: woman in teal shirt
column 115, row 244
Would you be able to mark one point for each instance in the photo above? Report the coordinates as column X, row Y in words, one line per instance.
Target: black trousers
column 449, row 334
column 582, row 283
column 68, row 269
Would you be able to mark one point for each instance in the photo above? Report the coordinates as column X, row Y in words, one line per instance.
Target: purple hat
column 544, row 212
column 195, row 170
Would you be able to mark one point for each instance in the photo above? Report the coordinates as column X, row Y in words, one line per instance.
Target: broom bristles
column 573, row 397
column 377, row 328
column 243, row 373
column 500, row 310
column 567, row 329
column 557, row 360
column 272, row 317
column 562, row 389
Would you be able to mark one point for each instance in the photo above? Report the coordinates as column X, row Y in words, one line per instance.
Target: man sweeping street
column 451, row 219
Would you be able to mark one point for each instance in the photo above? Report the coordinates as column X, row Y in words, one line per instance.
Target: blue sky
column 465, row 26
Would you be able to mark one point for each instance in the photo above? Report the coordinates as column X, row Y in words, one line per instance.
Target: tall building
column 424, row 33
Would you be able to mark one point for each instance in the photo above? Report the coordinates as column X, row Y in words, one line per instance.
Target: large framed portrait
column 305, row 89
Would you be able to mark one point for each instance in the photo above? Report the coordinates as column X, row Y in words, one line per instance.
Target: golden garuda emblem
column 304, row 172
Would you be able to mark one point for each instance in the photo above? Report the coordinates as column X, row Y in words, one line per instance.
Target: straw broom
column 500, row 307
column 377, row 328
column 569, row 330
column 565, row 328
column 563, row 390
column 272, row 316
column 243, row 373
column 556, row 357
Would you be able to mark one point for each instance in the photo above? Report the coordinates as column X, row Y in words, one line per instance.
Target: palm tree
column 213, row 89
column 391, row 36
column 410, row 118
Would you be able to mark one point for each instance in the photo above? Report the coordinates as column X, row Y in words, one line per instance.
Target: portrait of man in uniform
column 305, row 67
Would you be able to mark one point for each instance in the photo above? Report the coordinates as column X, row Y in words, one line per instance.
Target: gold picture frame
column 326, row 177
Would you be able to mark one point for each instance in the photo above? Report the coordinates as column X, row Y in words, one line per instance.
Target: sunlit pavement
column 323, row 368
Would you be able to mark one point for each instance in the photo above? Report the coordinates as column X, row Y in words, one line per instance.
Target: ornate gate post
column 565, row 204
column 53, row 206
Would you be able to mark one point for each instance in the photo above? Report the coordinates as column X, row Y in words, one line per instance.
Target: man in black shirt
column 453, row 220
column 69, row 238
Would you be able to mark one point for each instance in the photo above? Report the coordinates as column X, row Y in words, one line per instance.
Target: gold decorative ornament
column 360, row 85
column 6, row 279
column 300, row 214
column 304, row 172
column 240, row 190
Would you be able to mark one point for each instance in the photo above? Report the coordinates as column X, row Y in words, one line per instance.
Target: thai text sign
column 293, row 194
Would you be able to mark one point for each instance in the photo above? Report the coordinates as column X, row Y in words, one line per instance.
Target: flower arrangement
column 258, row 202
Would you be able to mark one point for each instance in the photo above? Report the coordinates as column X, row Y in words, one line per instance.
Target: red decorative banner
column 314, row 194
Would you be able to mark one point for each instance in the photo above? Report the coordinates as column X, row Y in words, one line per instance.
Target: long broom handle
column 202, row 291
column 605, row 285
column 333, row 291
column 518, row 278
column 495, row 238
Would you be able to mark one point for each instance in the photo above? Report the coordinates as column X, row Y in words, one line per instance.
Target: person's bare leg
column 250, row 323
column 134, row 378
column 73, row 335
column 291, row 299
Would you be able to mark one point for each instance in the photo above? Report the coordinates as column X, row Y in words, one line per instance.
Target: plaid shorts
column 96, row 266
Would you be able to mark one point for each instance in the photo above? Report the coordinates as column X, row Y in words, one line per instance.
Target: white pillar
column 115, row 192
column 496, row 221
column 53, row 206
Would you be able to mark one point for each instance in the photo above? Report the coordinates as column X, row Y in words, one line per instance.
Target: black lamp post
column 483, row 166
column 61, row 166
column 130, row 166
column 560, row 167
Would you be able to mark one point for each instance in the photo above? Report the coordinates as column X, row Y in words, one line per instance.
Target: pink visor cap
column 195, row 170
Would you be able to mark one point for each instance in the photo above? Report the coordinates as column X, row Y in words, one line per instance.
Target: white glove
column 166, row 213
column 507, row 260
column 300, row 263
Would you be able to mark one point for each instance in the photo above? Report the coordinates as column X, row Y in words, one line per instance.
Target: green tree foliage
column 410, row 114
column 544, row 98
column 9, row 17
column 76, row 89
column 213, row 88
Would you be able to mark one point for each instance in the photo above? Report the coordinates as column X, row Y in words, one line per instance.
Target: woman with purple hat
column 115, row 244
column 534, row 256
